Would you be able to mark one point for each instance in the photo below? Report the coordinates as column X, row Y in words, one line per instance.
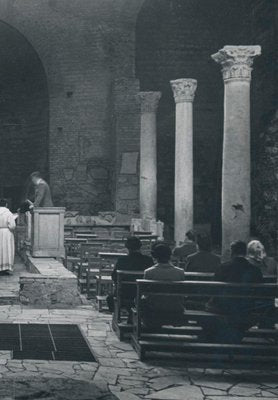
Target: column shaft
column 236, row 64
column 148, row 157
column 236, row 190
column 184, row 92
column 148, row 166
column 183, row 171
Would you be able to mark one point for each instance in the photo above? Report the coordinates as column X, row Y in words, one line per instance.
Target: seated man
column 161, row 310
column 238, row 313
column 134, row 261
column 203, row 260
column 188, row 247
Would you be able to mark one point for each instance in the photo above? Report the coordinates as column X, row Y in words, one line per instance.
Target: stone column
column 148, row 169
column 184, row 92
column 236, row 64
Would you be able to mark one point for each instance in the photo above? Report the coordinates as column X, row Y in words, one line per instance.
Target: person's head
column 256, row 250
column 133, row 244
column 162, row 253
column 3, row 203
column 204, row 243
column 238, row 249
column 190, row 235
column 154, row 244
column 35, row 177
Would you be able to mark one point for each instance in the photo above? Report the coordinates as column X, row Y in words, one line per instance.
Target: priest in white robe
column 7, row 226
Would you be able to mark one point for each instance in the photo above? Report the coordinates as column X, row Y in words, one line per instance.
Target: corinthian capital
column 237, row 61
column 184, row 90
column 149, row 101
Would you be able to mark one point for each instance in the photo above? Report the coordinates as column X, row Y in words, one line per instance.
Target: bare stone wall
column 49, row 285
column 265, row 125
column 83, row 46
column 265, row 187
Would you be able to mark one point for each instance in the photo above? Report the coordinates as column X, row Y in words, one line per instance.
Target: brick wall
column 84, row 46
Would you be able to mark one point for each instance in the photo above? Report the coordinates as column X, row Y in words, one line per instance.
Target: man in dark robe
column 42, row 191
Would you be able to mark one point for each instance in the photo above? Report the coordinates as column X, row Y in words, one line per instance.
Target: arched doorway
column 175, row 39
column 23, row 114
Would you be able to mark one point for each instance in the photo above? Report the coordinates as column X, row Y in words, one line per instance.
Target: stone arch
column 24, row 113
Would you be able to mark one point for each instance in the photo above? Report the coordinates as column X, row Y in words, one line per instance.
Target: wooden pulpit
column 47, row 232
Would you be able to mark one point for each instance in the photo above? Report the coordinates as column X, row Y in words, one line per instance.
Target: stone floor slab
column 177, row 393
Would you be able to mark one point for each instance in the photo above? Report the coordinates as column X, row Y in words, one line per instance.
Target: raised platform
column 48, row 284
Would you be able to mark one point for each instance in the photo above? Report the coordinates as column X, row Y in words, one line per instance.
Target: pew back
column 181, row 342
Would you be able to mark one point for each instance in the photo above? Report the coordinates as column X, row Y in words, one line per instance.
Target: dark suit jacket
column 133, row 262
column 188, row 247
column 202, row 261
column 42, row 195
column 238, row 270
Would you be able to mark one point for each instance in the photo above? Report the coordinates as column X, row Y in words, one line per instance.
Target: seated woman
column 256, row 255
column 161, row 310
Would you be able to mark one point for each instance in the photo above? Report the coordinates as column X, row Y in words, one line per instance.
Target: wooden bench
column 104, row 284
column 87, row 236
column 89, row 262
column 72, row 252
column 126, row 280
column 100, row 230
column 112, row 256
column 259, row 349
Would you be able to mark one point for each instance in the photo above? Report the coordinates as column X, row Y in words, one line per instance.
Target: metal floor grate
column 45, row 342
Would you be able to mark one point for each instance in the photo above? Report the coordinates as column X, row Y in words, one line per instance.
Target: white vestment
column 7, row 226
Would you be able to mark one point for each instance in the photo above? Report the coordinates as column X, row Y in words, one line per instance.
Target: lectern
column 47, row 233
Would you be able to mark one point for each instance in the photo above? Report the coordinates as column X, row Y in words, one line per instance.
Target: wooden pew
column 100, row 230
column 87, row 236
column 189, row 339
column 104, row 284
column 94, row 264
column 126, row 280
column 89, row 262
column 72, row 251
column 111, row 256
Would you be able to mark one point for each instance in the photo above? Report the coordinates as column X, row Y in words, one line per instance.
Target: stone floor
column 9, row 284
column 118, row 374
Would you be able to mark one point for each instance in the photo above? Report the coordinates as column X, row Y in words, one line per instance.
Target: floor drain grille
column 45, row 342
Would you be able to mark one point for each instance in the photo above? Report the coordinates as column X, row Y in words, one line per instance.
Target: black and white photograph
column 138, row 199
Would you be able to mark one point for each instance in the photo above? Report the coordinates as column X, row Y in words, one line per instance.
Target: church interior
column 70, row 76
column 89, row 97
